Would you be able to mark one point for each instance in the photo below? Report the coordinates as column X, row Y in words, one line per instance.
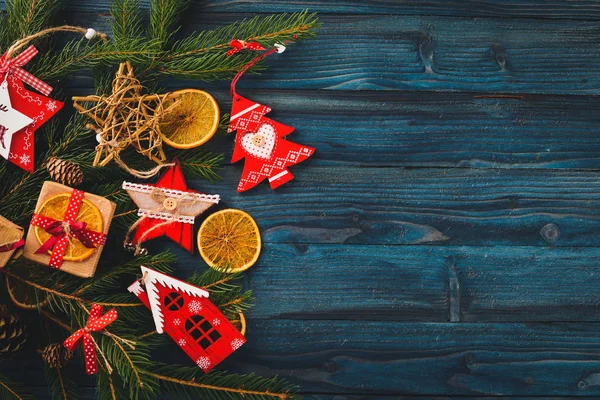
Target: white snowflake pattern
column 176, row 322
column 195, row 307
column 236, row 343
column 181, row 342
column 51, row 105
column 203, row 362
column 216, row 322
column 25, row 159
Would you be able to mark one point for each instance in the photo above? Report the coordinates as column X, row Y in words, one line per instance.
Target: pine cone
column 12, row 333
column 65, row 172
column 56, row 355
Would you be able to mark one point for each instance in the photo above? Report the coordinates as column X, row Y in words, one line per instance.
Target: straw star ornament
column 127, row 118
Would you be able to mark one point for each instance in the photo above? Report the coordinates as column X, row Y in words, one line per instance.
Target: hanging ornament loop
column 11, row 63
column 276, row 49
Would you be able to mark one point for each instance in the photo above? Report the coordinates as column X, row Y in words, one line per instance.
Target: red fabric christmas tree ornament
column 260, row 140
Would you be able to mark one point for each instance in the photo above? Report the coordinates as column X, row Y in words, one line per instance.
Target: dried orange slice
column 23, row 296
column 56, row 207
column 192, row 121
column 240, row 323
column 229, row 241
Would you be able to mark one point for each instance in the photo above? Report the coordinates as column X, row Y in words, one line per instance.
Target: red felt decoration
column 260, row 140
column 239, row 45
column 186, row 314
column 168, row 208
column 35, row 106
column 65, row 230
column 96, row 322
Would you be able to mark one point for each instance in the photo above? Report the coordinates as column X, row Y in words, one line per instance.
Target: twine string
column 158, row 196
column 21, row 43
column 248, row 66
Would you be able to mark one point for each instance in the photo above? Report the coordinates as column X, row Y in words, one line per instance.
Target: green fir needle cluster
column 157, row 52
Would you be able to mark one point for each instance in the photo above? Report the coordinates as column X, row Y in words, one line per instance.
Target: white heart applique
column 261, row 143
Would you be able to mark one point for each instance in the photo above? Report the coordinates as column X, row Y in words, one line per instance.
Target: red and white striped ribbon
column 13, row 66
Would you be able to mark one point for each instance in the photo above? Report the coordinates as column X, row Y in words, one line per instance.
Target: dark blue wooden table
column 444, row 239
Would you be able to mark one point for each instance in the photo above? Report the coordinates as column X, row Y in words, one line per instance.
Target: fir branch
column 61, row 387
column 200, row 163
column 127, row 21
column 164, row 15
column 25, row 17
column 203, row 56
column 220, row 385
column 10, row 390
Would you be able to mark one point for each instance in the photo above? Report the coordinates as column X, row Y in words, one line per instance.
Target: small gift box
column 11, row 238
column 68, row 229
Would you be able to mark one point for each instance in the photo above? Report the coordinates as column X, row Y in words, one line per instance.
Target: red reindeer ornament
column 186, row 314
column 260, row 140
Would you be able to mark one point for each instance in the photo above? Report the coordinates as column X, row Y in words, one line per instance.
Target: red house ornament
column 186, row 314
column 260, row 140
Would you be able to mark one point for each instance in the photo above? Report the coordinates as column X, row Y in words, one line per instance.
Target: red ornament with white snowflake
column 260, row 140
column 18, row 146
column 186, row 314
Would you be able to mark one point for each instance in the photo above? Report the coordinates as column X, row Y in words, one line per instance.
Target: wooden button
column 258, row 140
column 170, row 203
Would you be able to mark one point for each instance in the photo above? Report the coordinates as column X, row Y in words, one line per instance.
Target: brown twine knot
column 158, row 196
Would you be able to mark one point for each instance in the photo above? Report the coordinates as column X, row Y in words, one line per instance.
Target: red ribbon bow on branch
column 239, row 45
column 96, row 322
column 13, row 66
column 63, row 231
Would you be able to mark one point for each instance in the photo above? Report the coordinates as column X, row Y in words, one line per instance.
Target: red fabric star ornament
column 169, row 199
column 37, row 107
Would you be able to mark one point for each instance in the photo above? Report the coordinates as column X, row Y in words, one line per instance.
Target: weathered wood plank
column 310, row 396
column 391, row 128
column 429, row 54
column 426, row 358
column 459, row 206
column 422, row 283
column 572, row 9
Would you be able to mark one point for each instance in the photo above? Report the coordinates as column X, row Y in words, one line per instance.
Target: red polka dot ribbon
column 96, row 322
column 239, row 45
column 63, row 231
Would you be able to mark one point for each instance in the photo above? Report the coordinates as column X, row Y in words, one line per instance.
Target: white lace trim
column 138, row 187
column 165, row 216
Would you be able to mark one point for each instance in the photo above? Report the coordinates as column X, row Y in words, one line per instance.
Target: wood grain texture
column 427, row 54
column 459, row 206
column 443, row 241
column 555, row 9
column 426, row 358
column 414, row 129
column 421, row 283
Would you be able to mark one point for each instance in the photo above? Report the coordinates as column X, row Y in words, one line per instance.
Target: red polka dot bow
column 13, row 66
column 63, row 231
column 239, row 45
column 96, row 322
